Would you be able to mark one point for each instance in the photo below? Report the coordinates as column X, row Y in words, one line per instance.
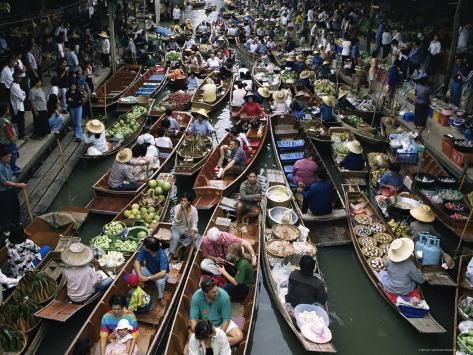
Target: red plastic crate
column 461, row 158
column 447, row 147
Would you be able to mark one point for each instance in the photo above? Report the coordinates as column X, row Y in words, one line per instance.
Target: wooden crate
column 447, row 147
column 461, row 158
column 443, row 120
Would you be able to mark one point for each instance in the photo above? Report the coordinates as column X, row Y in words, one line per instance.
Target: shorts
column 231, row 326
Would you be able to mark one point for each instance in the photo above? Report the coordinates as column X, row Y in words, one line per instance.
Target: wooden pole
column 453, row 46
column 90, row 106
column 111, row 27
column 463, row 233
column 157, row 10
column 463, row 176
column 105, row 99
column 61, row 155
column 28, row 207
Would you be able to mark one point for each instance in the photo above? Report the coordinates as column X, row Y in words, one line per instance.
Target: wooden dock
column 48, row 180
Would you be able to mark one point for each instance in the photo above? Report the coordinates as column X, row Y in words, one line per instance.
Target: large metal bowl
column 401, row 203
column 276, row 214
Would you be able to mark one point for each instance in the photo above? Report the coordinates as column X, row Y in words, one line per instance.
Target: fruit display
column 39, row 286
column 354, row 121
column 376, row 263
column 289, row 76
column 101, row 242
column 173, row 56
column 367, row 242
column 11, row 340
column 324, row 87
column 127, row 123
column 126, row 246
column 371, row 252
column 339, row 149
column 397, row 228
column 194, row 146
column 451, row 195
column 114, row 228
column 377, row 228
column 376, row 171
column 20, row 313
column 178, row 100
column 362, row 231
column 362, row 219
column 383, row 238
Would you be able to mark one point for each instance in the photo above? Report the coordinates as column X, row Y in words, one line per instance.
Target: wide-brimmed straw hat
column 124, row 155
column 342, row 93
column 264, row 91
column 300, row 58
column 279, row 96
column 300, row 93
column 316, row 52
column 248, row 95
column 423, row 213
column 329, row 100
column 354, row 147
column 306, row 74
column 103, row 34
column 400, row 249
column 95, row 126
column 326, row 62
column 77, row 254
column 291, row 58
column 201, row 111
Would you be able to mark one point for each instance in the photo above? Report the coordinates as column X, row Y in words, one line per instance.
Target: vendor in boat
column 215, row 246
column 317, row 60
column 212, row 303
column 232, row 159
column 263, row 94
column 251, row 108
column 248, row 205
column 184, row 224
column 121, row 174
column 326, row 108
column 192, row 82
column 290, row 61
column 318, row 198
column 174, row 126
column 172, row 44
column 239, row 94
column 118, row 311
column 176, row 73
column 401, row 275
column 326, row 71
column 151, row 264
column 423, row 222
column 354, row 160
column 299, row 65
column 299, row 104
column 304, row 287
column 280, row 104
column 82, row 280
column 208, row 337
column 201, row 124
column 304, row 170
column 189, row 43
column 188, row 24
column 209, row 91
column 392, row 181
column 304, row 79
column 94, row 138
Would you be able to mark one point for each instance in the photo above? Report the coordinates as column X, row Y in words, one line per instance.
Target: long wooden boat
column 269, row 262
column 208, row 190
column 148, row 85
column 429, row 165
column 258, row 68
column 426, row 324
column 366, row 134
column 348, row 176
column 243, row 313
column 126, row 142
column 198, row 101
column 464, row 289
column 108, row 93
column 290, row 141
column 151, row 324
column 105, row 196
column 245, row 51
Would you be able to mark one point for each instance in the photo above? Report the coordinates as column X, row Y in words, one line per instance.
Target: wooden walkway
column 50, row 177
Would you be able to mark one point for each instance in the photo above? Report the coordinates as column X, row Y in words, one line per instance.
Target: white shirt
column 253, row 47
column 238, row 97
column 163, row 142
column 310, row 15
column 346, row 48
column 189, row 43
column 280, row 107
column 214, row 63
column 98, row 143
column 21, row 67
column 17, row 97
column 313, row 30
column 435, row 47
column 151, row 151
column 6, row 76
column 464, row 37
column 176, row 13
column 283, row 20
column 386, row 38
column 219, row 344
column 80, row 282
column 105, row 45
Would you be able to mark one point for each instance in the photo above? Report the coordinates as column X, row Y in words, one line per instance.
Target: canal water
column 361, row 320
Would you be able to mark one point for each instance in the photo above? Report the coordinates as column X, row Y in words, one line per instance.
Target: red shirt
column 252, row 109
column 219, row 249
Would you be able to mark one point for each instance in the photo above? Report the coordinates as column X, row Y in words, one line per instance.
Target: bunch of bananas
column 398, row 228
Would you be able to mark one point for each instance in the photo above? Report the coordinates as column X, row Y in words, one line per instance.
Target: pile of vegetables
column 20, row 313
column 289, row 77
column 38, row 286
column 114, row 228
column 127, row 123
column 354, row 121
column 179, row 99
column 338, row 147
column 324, row 87
column 101, row 242
column 466, row 339
column 194, row 146
column 11, row 340
column 173, row 56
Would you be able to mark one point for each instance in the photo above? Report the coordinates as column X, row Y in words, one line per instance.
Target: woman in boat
column 23, row 254
column 299, row 104
column 118, row 311
column 325, row 71
column 184, row 224
column 82, row 280
column 299, row 65
column 318, row 198
column 214, row 63
column 304, row 170
column 280, row 105
column 251, row 108
column 192, row 82
column 289, row 62
column 401, row 275
column 423, row 221
column 263, row 94
column 121, row 174
column 94, row 138
column 304, row 287
column 237, row 286
column 201, row 124
column 176, row 73
column 208, row 339
column 354, row 160
column 392, row 181
column 304, row 79
column 161, row 140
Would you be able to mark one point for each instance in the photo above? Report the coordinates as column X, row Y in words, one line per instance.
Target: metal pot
column 395, row 204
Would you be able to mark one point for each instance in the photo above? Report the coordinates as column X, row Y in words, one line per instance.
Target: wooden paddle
column 28, row 207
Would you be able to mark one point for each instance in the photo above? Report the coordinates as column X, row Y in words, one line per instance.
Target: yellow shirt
column 209, row 93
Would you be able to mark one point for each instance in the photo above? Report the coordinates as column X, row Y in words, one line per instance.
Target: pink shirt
column 304, row 171
column 219, row 249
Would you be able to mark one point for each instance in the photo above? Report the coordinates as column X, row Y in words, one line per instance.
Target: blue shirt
column 192, row 83
column 355, row 52
column 239, row 156
column 319, row 197
column 154, row 263
column 326, row 113
column 174, row 125
column 353, row 162
column 299, row 66
column 5, row 175
column 203, row 127
column 317, row 61
column 391, row 179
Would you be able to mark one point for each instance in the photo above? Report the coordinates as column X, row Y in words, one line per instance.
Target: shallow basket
column 310, row 308
column 283, row 190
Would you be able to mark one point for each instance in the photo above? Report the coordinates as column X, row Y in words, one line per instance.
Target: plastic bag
column 469, row 272
column 304, row 232
column 280, row 274
column 465, row 326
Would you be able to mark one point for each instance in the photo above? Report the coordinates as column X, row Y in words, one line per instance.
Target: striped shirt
column 109, row 323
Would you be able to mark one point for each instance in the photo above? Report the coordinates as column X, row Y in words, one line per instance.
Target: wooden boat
column 259, row 68
column 245, row 51
column 126, row 142
column 366, row 134
column 243, row 313
column 269, row 262
column 109, row 201
column 152, row 324
column 148, row 86
column 290, row 142
column 109, row 92
column 463, row 290
column 348, row 176
column 198, row 101
column 187, row 165
column 208, row 190
column 426, row 324
column 429, row 165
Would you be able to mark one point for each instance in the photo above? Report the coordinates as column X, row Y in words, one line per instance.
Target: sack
column 149, row 199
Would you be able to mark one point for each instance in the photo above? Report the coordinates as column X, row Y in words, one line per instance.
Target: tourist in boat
column 189, row 43
column 392, row 181
column 161, row 140
column 248, row 205
column 214, row 63
column 82, row 280
column 110, row 320
column 250, row 108
column 174, row 126
column 304, row 170
column 121, row 174
column 401, row 275
column 147, row 140
column 145, row 158
column 208, row 339
column 201, row 124
column 423, row 221
column 354, row 160
column 176, row 73
column 94, row 138
column 122, row 341
column 237, row 132
column 239, row 284
column 212, row 303
column 280, row 105
column 214, row 249
column 156, row 266
column 232, row 159
column 304, row 287
column 238, row 95
column 192, row 82
column 184, row 224
column 138, row 300
column 172, row 44
column 23, row 254
column 318, row 197
column 209, row 91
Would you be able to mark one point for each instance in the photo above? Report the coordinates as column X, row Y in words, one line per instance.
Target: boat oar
column 462, row 179
column 27, row 202
column 463, row 233
column 214, row 134
column 105, row 99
